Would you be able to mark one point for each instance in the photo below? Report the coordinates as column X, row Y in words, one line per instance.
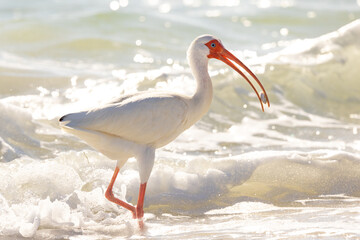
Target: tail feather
column 74, row 120
column 70, row 120
column 63, row 118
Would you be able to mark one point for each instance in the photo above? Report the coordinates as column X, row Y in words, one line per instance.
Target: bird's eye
column 213, row 45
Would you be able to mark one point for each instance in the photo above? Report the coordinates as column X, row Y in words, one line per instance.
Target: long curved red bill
column 227, row 57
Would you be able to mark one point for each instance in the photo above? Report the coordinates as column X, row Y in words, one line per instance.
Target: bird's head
column 207, row 47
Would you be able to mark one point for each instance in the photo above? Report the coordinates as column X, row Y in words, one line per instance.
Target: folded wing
column 156, row 119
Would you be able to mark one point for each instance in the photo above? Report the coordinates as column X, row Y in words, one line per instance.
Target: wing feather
column 142, row 118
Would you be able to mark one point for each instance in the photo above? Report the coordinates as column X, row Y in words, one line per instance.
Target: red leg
column 140, row 203
column 110, row 196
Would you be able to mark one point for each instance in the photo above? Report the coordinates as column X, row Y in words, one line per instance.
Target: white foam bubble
column 244, row 207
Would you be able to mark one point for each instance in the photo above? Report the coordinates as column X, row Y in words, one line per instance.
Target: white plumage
column 135, row 125
column 136, row 118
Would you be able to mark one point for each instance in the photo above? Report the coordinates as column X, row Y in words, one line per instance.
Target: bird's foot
column 139, row 215
column 141, row 224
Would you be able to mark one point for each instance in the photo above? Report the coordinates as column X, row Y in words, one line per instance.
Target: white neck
column 202, row 98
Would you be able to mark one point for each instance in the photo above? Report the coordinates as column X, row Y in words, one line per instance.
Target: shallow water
column 288, row 173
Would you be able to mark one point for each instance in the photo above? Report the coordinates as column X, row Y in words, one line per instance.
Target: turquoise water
column 289, row 173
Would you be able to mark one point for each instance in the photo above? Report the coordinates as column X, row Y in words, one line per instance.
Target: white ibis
column 136, row 125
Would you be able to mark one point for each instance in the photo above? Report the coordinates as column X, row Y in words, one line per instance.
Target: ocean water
column 291, row 172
